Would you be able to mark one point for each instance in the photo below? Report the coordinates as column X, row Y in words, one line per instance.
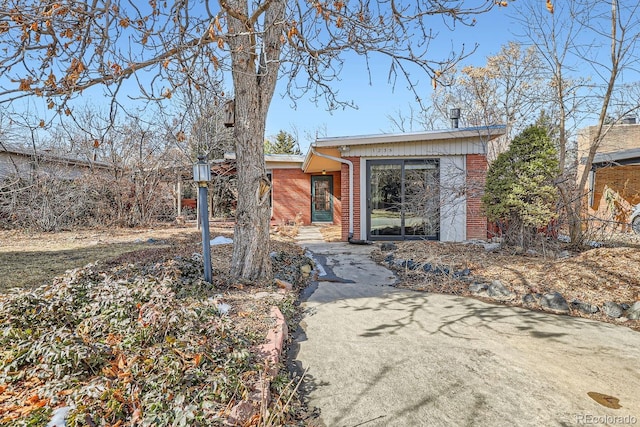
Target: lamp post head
column 201, row 171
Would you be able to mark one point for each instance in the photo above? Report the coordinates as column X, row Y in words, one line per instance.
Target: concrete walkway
column 379, row 356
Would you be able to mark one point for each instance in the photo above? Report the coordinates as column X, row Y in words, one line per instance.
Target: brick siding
column 292, row 196
column 476, row 177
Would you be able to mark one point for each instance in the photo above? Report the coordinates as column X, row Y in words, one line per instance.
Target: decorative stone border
column 260, row 397
column 495, row 290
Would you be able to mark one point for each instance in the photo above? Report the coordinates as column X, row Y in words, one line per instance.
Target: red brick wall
column 356, row 198
column 291, row 194
column 476, row 176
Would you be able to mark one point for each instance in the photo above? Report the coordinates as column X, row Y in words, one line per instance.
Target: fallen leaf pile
column 141, row 348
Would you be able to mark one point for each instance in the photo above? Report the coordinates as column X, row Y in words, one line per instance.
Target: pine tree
column 520, row 191
column 285, row 143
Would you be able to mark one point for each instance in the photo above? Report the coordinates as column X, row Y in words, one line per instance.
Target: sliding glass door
column 403, row 199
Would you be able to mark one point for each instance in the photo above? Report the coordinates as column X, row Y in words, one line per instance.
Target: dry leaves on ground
column 140, row 340
column 594, row 276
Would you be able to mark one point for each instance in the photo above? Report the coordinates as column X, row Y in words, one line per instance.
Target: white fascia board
column 489, row 132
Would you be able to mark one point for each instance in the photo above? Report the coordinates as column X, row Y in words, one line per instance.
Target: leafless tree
column 59, row 50
column 510, row 89
column 578, row 37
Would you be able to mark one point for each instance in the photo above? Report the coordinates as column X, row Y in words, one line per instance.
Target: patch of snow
column 221, row 240
column 59, row 417
column 223, row 308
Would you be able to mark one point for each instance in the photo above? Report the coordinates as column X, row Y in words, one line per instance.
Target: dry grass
column 331, row 233
column 28, row 260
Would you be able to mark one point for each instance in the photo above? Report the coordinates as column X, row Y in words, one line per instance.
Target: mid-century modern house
column 614, row 178
column 424, row 185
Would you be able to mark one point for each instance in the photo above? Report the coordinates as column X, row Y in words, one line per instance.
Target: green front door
column 321, row 198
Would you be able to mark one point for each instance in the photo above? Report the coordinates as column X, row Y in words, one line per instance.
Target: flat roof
column 274, row 158
column 621, row 157
column 473, row 132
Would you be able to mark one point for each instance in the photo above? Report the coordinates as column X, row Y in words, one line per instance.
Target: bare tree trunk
column 251, row 235
column 255, row 55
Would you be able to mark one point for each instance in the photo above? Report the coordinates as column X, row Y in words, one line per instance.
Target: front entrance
column 321, row 198
column 403, row 199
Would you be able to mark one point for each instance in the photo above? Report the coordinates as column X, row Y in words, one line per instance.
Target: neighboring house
column 614, row 179
column 425, row 185
column 26, row 163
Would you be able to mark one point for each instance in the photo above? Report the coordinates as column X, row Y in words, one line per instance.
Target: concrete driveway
column 379, row 356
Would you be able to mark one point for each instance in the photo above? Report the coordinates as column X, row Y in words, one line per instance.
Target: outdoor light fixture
column 202, row 175
column 454, row 115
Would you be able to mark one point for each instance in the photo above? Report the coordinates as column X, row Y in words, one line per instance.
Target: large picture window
column 403, row 199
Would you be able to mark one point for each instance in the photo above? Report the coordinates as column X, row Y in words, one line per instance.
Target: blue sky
column 378, row 100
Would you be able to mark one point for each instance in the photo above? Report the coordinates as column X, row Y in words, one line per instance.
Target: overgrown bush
column 45, row 202
column 520, row 194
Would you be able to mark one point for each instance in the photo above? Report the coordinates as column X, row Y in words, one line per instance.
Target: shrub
column 519, row 191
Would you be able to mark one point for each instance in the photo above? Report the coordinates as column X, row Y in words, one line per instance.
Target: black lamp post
column 202, row 175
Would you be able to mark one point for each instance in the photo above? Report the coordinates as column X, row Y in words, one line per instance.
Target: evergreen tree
column 520, row 191
column 285, row 143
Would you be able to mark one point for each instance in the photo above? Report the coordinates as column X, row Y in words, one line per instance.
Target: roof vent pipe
column 454, row 115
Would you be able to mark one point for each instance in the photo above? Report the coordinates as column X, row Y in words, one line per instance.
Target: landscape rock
column 305, row 269
column 612, row 309
column 490, row 247
column 283, row 284
column 388, row 246
column 411, row 264
column 265, row 295
column 478, row 287
column 498, row 291
column 554, row 301
column 585, row 307
column 398, row 263
column 462, row 273
column 531, row 299
column 633, row 312
column 443, row 271
column 564, row 254
column 427, row 267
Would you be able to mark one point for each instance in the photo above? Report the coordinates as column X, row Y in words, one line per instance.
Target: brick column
column 344, row 190
column 476, row 177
